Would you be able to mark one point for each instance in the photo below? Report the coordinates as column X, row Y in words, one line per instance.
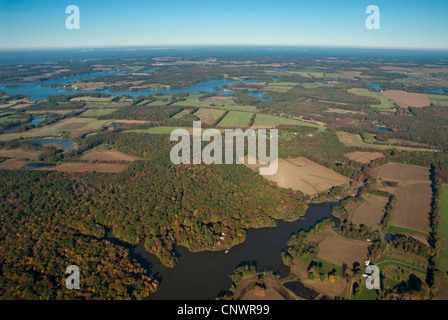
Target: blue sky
column 403, row 24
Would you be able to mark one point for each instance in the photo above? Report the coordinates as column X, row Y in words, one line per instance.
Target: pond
column 374, row 85
column 65, row 144
column 204, row 275
column 39, row 165
column 437, row 91
column 384, row 129
column 300, row 290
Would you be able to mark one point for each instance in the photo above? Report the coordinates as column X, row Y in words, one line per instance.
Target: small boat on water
column 226, row 251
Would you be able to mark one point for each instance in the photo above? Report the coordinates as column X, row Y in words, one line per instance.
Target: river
column 204, row 275
column 34, row 121
column 35, row 91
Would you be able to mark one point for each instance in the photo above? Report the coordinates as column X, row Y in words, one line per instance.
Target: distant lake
column 36, row 92
column 65, row 144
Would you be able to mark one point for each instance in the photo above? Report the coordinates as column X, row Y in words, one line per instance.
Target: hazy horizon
column 403, row 24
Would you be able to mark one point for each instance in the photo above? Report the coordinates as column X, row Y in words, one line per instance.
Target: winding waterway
column 204, row 275
column 40, row 91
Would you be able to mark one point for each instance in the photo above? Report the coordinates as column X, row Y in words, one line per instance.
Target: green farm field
column 93, row 113
column 384, row 102
column 438, row 100
column 236, row 119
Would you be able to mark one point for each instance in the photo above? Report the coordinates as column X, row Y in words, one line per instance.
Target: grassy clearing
column 157, row 103
column 315, row 85
column 443, row 258
column 102, row 69
column 6, row 117
column 395, row 229
column 103, row 148
column 438, row 99
column 221, row 103
column 94, row 113
column 142, row 103
column 321, row 282
column 365, row 294
column 239, row 108
column 317, row 74
column 355, row 140
column 444, row 214
column 384, row 102
column 394, row 254
column 273, row 121
column 182, row 113
column 280, row 86
column 236, row 119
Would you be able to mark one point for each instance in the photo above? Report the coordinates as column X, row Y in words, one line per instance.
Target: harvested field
column 21, row 106
column 406, row 99
column 370, row 212
column 109, row 156
column 412, row 207
column 12, row 165
column 306, row 176
column 338, row 250
column 364, row 157
column 442, row 289
column 413, row 195
column 19, row 154
column 18, row 104
column 75, row 126
column 401, row 172
column 209, row 116
column 88, row 167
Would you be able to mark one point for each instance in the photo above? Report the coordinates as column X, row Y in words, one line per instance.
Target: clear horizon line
column 117, row 46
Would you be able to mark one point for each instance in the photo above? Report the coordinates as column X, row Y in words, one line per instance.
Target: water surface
column 65, row 144
column 204, row 275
